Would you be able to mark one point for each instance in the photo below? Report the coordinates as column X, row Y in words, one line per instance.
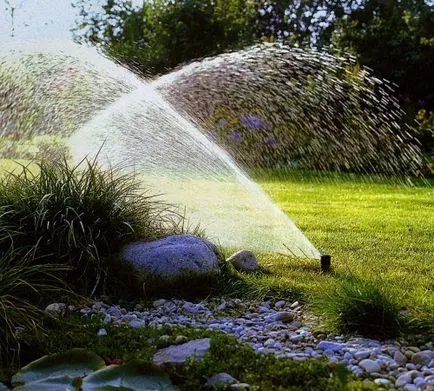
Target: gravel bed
column 286, row 330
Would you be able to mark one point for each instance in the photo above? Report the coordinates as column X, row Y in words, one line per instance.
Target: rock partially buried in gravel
column 423, row 357
column 243, row 261
column 220, row 380
column 327, row 345
column 173, row 256
column 369, row 366
column 179, row 354
column 282, row 316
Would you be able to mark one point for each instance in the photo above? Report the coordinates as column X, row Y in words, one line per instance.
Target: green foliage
column 134, row 375
column 79, row 216
column 166, row 33
column 426, row 127
column 80, row 369
column 73, row 363
column 365, row 307
column 395, row 39
column 21, row 284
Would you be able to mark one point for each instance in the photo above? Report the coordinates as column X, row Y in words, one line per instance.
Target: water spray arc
column 157, row 128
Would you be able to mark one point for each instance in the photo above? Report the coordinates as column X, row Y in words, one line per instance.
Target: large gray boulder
column 173, row 256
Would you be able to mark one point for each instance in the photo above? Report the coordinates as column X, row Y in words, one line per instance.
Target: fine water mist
column 274, row 105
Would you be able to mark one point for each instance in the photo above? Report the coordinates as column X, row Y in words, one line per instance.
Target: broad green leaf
column 135, row 375
column 59, row 383
column 73, row 363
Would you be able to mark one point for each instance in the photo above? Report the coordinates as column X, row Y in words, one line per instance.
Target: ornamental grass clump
column 359, row 306
column 79, row 216
column 23, row 281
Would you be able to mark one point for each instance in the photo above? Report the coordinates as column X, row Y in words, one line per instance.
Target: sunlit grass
column 376, row 231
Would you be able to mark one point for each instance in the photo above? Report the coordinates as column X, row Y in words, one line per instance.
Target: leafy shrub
column 79, row 216
column 359, row 306
column 163, row 33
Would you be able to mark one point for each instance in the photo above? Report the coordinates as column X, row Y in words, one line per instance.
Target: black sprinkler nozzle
column 326, row 263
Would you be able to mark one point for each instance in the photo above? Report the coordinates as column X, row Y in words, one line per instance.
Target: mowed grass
column 374, row 230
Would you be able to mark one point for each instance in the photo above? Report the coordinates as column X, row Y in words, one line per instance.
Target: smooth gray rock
column 362, row 354
column 328, row 345
column 240, row 386
column 369, row 366
column 399, row 358
column 423, row 358
column 56, row 309
column 220, row 379
column 281, row 316
column 403, row 380
column 243, row 261
column 179, row 354
column 173, row 256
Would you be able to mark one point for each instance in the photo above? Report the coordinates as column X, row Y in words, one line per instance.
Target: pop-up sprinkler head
column 326, row 263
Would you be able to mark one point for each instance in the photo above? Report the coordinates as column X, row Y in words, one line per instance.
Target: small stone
column 179, row 354
column 369, row 366
column 243, row 261
column 423, row 358
column 269, row 342
column 282, row 316
column 327, row 345
column 295, row 305
column 410, row 387
column 382, row 382
column 419, row 382
column 164, row 338
column 240, row 386
column 280, row 304
column 220, row 379
column 403, row 380
column 101, row 332
column 180, row 339
column 362, row 354
column 56, row 309
column 399, row 358
column 159, row 303
column 137, row 323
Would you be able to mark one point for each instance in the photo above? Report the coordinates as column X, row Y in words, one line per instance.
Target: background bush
column 165, row 33
column 394, row 38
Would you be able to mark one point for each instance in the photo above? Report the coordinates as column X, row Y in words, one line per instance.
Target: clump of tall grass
column 22, row 283
column 79, row 216
column 364, row 307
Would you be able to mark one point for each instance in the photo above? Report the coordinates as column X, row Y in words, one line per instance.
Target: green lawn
column 373, row 230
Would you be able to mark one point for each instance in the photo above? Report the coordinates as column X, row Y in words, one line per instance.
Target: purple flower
column 253, row 123
column 222, row 122
column 236, row 136
column 270, row 140
column 421, row 102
